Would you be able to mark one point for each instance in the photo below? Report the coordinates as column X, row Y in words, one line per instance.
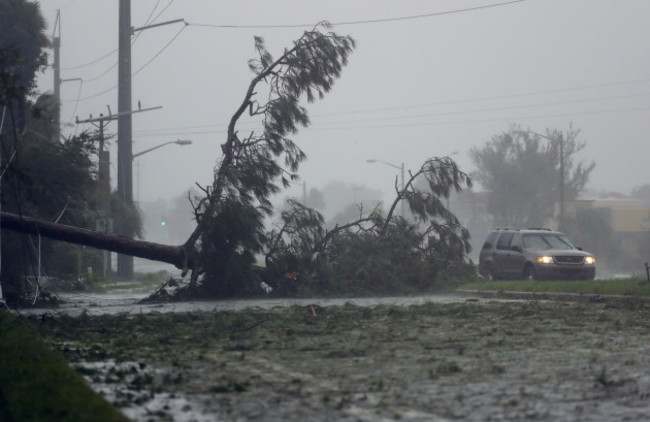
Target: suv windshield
column 542, row 241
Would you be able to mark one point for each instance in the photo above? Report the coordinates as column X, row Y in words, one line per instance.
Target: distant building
column 626, row 215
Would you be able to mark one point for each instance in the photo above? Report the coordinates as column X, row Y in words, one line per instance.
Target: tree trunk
column 174, row 255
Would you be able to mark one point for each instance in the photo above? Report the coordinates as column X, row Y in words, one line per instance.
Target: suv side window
column 490, row 240
column 504, row 241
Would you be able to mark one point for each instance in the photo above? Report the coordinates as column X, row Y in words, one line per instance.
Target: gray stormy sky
column 414, row 88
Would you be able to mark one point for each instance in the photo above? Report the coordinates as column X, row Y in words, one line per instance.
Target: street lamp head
column 371, row 161
column 183, row 142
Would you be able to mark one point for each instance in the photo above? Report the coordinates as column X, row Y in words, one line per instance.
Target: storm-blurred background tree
column 22, row 55
column 592, row 228
column 39, row 177
column 520, row 170
column 54, row 182
column 642, row 193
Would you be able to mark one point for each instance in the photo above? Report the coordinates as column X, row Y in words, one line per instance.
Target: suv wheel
column 530, row 273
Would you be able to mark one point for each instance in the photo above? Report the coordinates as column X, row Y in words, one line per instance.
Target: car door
column 502, row 254
column 516, row 258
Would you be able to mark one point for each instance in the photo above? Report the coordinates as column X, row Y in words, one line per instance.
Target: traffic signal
column 163, row 222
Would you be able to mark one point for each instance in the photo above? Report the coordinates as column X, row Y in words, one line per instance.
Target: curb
column 573, row 297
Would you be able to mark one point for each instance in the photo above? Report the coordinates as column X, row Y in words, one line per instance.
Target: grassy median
column 36, row 384
column 623, row 287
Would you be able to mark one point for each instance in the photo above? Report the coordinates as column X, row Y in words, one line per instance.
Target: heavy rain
column 338, row 211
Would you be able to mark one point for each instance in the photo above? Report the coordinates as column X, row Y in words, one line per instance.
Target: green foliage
column 230, row 214
column 36, row 384
column 288, row 249
column 46, row 178
column 22, row 44
column 51, row 181
column 363, row 263
column 521, row 171
column 228, row 250
column 375, row 254
column 617, row 287
column 67, row 259
column 68, row 262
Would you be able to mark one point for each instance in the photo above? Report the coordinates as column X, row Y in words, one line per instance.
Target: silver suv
column 534, row 254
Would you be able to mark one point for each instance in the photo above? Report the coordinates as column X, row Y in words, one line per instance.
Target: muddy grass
column 496, row 361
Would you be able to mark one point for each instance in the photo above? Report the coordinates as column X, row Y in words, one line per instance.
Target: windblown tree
column 230, row 212
column 521, row 172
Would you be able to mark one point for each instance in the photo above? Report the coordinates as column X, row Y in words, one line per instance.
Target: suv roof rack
column 507, row 228
column 540, row 228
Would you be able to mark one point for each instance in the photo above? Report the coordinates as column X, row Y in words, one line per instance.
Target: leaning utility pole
column 103, row 193
column 124, row 130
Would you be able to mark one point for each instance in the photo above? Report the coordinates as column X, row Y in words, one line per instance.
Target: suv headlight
column 544, row 259
column 590, row 260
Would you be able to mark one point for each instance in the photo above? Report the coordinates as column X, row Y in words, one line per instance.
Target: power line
column 420, row 16
column 110, row 53
column 493, row 97
column 76, row 104
column 155, row 56
column 91, row 62
column 363, row 22
column 219, row 128
column 93, row 95
column 411, row 17
column 495, row 119
column 160, row 51
column 101, row 75
column 471, row 100
column 104, row 73
column 162, row 11
column 149, row 20
column 484, row 110
column 344, row 126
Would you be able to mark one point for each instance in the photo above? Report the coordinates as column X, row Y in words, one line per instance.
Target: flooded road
column 119, row 302
column 430, row 358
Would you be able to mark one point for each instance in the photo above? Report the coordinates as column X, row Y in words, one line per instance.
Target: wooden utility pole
column 56, row 45
column 104, row 173
column 103, row 192
column 124, row 125
column 124, row 130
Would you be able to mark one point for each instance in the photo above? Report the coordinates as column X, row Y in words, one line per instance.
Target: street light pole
column 401, row 168
column 133, row 157
column 124, row 123
column 560, row 140
column 179, row 142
